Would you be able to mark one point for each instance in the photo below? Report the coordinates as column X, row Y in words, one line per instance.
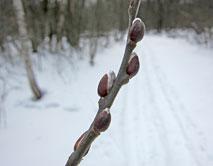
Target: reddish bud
column 133, row 65
column 78, row 142
column 137, row 29
column 106, row 84
column 102, row 121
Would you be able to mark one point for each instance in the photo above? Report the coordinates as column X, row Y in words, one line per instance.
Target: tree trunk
column 93, row 44
column 160, row 15
column 19, row 11
column 61, row 20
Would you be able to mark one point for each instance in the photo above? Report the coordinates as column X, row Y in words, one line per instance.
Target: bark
column 19, row 11
column 61, row 20
column 45, row 10
column 107, row 101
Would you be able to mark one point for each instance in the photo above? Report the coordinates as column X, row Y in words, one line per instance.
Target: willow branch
column 107, row 101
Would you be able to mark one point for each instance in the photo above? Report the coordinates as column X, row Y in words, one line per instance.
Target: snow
column 163, row 116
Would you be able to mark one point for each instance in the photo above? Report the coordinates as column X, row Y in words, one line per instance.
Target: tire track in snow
column 133, row 140
column 139, row 122
column 124, row 129
column 154, row 113
column 171, row 108
column 135, row 116
column 134, row 143
column 130, row 124
column 175, row 100
column 147, row 142
column 136, row 126
column 176, row 106
column 128, row 128
column 125, row 134
column 144, row 136
column 157, row 109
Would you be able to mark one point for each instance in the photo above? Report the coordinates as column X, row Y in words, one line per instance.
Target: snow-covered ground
column 162, row 117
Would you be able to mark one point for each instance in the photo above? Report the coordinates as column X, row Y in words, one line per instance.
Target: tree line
column 78, row 20
column 182, row 14
column 74, row 19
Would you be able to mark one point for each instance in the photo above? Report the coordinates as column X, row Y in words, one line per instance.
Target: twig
column 107, row 101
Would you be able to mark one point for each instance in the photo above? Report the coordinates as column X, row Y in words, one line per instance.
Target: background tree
column 19, row 10
column 94, row 23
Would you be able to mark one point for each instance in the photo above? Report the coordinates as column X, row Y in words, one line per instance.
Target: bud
column 137, row 30
column 133, row 65
column 106, row 84
column 102, row 121
column 78, row 142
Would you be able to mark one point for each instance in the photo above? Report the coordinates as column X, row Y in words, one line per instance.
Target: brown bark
column 19, row 10
column 61, row 20
column 106, row 102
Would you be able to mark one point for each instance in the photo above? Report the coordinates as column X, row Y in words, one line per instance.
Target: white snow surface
column 162, row 117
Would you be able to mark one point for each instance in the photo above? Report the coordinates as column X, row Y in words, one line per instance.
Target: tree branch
column 133, row 10
column 107, row 101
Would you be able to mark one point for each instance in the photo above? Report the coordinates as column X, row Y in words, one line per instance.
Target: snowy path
column 163, row 117
column 154, row 124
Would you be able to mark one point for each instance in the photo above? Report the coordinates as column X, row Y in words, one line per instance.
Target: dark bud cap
column 102, row 121
column 133, row 65
column 106, row 84
column 78, row 142
column 137, row 30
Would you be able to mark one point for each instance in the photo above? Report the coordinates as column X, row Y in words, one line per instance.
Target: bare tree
column 61, row 20
column 93, row 44
column 19, row 10
column 109, row 86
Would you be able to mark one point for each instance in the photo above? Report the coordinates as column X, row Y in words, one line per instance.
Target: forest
column 158, row 55
column 79, row 19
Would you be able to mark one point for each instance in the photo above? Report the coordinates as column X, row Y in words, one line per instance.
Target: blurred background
column 52, row 56
column 70, row 27
column 91, row 19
